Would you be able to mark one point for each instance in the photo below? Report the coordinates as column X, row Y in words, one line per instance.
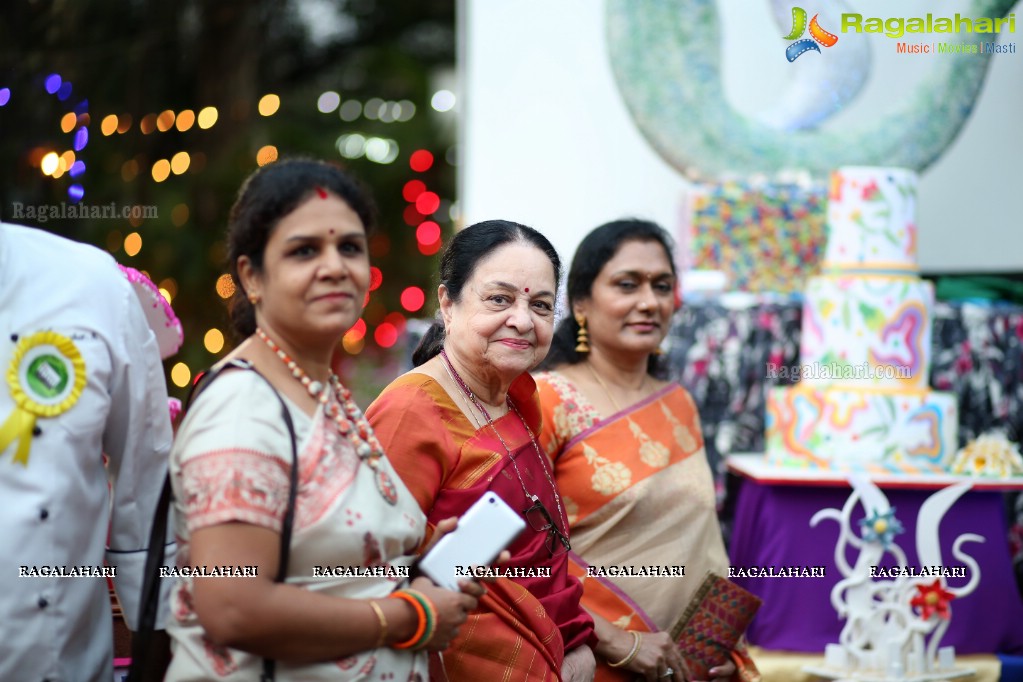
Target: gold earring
column 582, row 337
column 254, row 299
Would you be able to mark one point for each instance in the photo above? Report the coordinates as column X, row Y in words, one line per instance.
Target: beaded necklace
column 346, row 415
column 511, row 405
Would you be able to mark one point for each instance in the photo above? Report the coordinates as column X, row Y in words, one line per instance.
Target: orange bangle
column 420, row 613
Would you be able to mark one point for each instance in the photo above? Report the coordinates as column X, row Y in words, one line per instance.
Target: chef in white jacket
column 80, row 376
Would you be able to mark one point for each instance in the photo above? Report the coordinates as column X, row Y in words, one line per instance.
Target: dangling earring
column 582, row 338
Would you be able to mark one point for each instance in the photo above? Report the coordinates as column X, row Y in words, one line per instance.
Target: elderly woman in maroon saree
column 465, row 421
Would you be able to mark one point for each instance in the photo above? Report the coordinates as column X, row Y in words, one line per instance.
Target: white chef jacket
column 57, row 510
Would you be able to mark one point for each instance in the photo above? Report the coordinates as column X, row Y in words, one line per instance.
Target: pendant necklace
column 511, row 406
column 345, row 415
column 607, row 391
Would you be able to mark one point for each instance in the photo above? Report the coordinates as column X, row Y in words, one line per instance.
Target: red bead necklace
column 345, row 414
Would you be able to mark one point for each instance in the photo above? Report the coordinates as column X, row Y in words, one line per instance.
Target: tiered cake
column 863, row 401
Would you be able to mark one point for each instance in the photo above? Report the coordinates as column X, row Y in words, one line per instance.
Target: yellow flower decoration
column 46, row 377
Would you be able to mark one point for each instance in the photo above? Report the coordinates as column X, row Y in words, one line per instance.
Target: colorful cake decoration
column 932, row 600
column 881, row 526
column 991, row 454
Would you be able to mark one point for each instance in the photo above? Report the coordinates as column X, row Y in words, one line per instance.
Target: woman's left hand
column 579, row 665
column 720, row 673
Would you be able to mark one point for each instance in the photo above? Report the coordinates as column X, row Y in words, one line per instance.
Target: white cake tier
column 871, row 220
column 870, row 430
column 867, row 330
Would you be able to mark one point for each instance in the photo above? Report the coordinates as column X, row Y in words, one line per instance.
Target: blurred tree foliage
column 142, row 57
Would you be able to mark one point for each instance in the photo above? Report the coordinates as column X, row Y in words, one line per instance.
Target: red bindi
column 527, row 290
column 322, row 192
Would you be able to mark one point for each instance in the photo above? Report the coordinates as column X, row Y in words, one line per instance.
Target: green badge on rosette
column 46, row 377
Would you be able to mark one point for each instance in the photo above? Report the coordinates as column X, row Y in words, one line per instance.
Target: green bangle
column 431, row 619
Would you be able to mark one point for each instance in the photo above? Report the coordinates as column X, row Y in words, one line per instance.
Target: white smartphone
column 486, row 528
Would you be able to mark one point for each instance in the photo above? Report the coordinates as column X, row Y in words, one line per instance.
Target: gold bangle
column 637, row 639
column 383, row 624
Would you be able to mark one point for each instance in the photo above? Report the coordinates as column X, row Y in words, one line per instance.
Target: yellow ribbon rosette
column 46, row 378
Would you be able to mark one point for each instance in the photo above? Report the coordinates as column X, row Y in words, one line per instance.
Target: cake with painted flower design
column 862, row 401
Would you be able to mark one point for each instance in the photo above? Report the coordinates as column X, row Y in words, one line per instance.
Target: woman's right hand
column 657, row 654
column 452, row 608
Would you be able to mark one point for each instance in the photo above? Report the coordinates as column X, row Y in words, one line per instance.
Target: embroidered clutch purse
column 714, row 620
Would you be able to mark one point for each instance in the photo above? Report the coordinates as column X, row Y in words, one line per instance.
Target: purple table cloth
column 772, row 528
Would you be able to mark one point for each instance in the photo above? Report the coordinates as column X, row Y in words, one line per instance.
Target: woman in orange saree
column 629, row 457
column 465, row 421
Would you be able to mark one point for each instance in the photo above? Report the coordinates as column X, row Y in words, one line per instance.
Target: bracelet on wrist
column 382, row 638
column 637, row 639
column 431, row 618
column 421, row 620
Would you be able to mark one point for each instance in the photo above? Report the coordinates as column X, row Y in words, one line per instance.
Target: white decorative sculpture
column 894, row 625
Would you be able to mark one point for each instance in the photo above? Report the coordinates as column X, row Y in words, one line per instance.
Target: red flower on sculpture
column 932, row 600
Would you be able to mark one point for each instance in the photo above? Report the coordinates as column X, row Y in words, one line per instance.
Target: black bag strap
column 155, row 553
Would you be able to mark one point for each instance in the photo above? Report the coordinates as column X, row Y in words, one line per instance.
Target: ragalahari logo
column 818, row 34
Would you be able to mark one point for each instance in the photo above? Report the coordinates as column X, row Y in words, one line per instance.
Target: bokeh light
column 207, row 117
column 147, row 124
column 49, row 163
column 180, row 375
column 376, row 278
column 5, row 96
column 165, row 121
column 430, row 249
column 169, row 288
column 108, row 126
column 185, row 120
column 328, row 102
column 269, row 104
column 214, row 340
column 386, row 335
column 68, row 121
column 266, row 154
column 412, row 299
column 350, row 110
column 443, row 100
column 428, row 232
column 225, row 286
column 179, row 163
column 427, row 203
column 81, row 139
column 161, row 170
column 412, row 189
column 358, row 330
column 420, row 161
column 133, row 244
